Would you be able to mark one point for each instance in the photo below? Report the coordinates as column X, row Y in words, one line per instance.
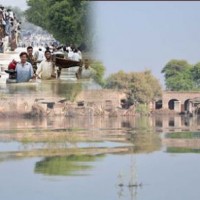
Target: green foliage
column 174, row 67
column 182, row 150
column 179, row 82
column 65, row 19
column 140, row 87
column 119, row 80
column 65, row 166
column 196, row 75
column 142, row 109
column 183, row 135
column 99, row 72
column 143, row 138
column 181, row 76
column 68, row 91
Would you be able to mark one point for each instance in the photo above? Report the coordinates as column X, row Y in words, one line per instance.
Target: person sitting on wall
column 46, row 69
column 24, row 69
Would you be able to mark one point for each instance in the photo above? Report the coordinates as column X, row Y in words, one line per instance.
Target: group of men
column 9, row 29
column 41, row 65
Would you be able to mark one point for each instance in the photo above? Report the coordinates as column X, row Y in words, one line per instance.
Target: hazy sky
column 134, row 36
column 19, row 3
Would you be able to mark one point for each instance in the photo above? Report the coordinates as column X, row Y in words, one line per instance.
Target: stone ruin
column 87, row 103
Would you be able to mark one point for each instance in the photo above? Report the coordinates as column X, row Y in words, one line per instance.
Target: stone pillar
column 177, row 106
column 190, row 107
column 165, row 122
column 177, row 121
column 165, row 102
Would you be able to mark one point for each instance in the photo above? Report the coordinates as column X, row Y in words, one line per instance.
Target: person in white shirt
column 85, row 72
column 70, row 54
column 76, row 56
column 39, row 56
column 11, row 14
column 69, row 48
column 46, row 69
column 80, row 54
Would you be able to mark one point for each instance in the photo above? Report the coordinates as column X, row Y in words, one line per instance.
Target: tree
column 65, row 19
column 141, row 87
column 196, row 75
column 99, row 72
column 119, row 80
column 178, row 75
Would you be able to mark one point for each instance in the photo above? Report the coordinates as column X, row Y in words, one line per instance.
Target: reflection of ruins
column 136, row 134
column 98, row 123
column 62, row 136
column 176, row 123
column 162, row 123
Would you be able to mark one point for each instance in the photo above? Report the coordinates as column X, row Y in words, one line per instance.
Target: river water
column 160, row 153
column 101, row 158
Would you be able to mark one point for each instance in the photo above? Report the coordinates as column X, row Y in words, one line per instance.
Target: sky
column 19, row 3
column 139, row 35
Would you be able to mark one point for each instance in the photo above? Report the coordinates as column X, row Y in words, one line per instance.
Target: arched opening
column 171, row 104
column 186, row 105
column 126, row 104
column 158, row 104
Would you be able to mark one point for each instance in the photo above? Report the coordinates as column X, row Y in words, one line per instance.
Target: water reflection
column 63, row 89
column 176, row 123
column 182, row 150
column 135, row 148
column 78, row 123
column 72, row 165
column 140, row 132
column 128, row 182
column 135, row 134
column 182, row 142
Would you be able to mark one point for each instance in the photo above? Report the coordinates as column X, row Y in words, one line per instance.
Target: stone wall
column 104, row 98
column 95, row 102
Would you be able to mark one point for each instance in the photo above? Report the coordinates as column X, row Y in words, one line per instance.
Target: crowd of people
column 41, row 65
column 10, row 29
column 12, row 35
column 37, row 39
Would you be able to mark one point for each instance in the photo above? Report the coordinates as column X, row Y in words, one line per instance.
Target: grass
column 183, row 135
column 182, row 150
